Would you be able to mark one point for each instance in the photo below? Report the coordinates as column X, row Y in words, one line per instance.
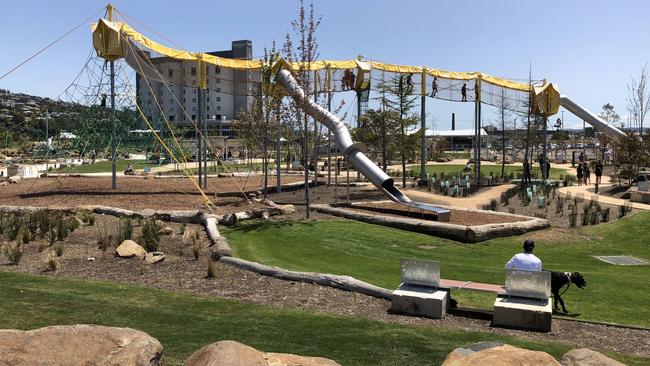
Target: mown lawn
column 184, row 323
column 617, row 294
column 104, row 167
column 494, row 170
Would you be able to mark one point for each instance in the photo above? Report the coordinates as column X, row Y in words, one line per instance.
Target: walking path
column 584, row 191
column 473, row 201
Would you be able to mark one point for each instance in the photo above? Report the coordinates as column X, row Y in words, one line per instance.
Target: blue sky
column 590, row 49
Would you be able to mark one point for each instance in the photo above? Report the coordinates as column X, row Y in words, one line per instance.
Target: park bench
column 420, row 292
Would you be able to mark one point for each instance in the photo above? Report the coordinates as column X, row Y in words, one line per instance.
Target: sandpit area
column 485, row 224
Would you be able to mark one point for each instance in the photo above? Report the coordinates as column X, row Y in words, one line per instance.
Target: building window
column 218, row 81
column 171, row 101
column 218, row 116
column 218, row 107
column 208, row 108
column 218, row 99
column 218, row 90
column 170, row 73
column 193, row 91
column 193, row 71
column 217, row 70
column 171, row 118
column 207, row 116
column 193, row 109
column 193, row 117
column 183, row 99
column 208, row 99
column 193, row 100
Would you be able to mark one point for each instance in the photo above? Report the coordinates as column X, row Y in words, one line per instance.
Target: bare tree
column 504, row 114
column 303, row 53
column 638, row 99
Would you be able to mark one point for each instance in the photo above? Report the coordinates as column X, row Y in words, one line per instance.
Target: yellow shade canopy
column 547, row 99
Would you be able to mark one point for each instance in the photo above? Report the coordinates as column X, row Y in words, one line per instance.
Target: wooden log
column 219, row 243
column 324, row 279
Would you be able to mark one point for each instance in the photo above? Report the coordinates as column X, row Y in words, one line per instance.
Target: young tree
column 608, row 114
column 504, row 114
column 638, row 100
column 303, row 52
column 396, row 96
column 379, row 129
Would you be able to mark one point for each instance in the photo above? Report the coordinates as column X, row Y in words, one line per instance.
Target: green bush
column 196, row 249
column 149, row 237
column 13, row 252
column 58, row 249
column 212, row 269
column 124, row 230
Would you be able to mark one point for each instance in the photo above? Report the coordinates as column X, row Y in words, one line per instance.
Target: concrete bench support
column 522, row 313
column 420, row 301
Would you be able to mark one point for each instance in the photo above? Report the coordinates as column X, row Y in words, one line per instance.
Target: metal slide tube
column 343, row 139
column 591, row 118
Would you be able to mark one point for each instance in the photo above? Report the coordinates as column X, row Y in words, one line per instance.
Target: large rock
column 14, row 179
column 587, row 357
column 129, row 249
column 495, row 354
column 231, row 353
column 64, row 345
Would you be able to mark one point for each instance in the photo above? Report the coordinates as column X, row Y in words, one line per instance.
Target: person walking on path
column 598, row 169
column 587, row 174
column 526, row 173
column 579, row 173
column 527, row 260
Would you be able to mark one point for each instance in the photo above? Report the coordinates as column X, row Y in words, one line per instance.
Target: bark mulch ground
column 181, row 272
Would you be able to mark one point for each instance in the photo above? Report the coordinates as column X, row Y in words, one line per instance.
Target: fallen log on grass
column 324, row 279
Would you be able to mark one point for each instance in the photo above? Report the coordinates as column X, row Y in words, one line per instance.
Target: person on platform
column 434, row 87
column 463, row 92
column 527, row 260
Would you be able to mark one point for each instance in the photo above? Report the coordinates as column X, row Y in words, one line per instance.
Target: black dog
column 561, row 279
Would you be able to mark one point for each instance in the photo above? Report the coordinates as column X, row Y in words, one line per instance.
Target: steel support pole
column 423, row 138
column 199, row 145
column 113, row 130
column 278, row 158
column 543, row 167
column 205, row 148
column 329, row 143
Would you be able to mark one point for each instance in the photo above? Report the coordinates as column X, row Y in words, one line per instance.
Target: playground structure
column 115, row 40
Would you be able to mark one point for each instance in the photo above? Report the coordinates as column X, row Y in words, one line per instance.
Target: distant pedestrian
column 548, row 169
column 409, row 83
column 598, row 170
column 581, row 157
column 579, row 173
column 463, row 93
column 587, row 174
column 526, row 172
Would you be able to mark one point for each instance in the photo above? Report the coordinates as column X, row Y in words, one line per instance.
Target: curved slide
column 354, row 151
column 591, row 118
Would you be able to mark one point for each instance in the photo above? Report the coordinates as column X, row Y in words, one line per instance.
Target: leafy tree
column 379, row 129
column 396, row 96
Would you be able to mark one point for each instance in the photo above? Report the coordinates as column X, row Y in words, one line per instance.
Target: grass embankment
column 183, row 323
column 104, row 167
column 617, row 294
column 494, row 170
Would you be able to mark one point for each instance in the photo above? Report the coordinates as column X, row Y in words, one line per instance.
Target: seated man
column 129, row 170
column 527, row 260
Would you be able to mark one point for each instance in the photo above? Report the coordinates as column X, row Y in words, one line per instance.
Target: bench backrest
column 420, row 272
column 533, row 284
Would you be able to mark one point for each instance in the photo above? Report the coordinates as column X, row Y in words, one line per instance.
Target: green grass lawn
column 617, row 294
column 104, row 167
column 495, row 170
column 184, row 323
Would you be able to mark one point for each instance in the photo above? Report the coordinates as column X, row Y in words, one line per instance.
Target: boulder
column 154, row 257
column 231, row 353
column 494, row 354
column 79, row 345
column 587, row 357
column 129, row 249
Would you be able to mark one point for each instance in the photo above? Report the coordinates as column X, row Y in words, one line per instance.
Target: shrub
column 493, row 204
column 42, row 220
column 12, row 226
column 13, row 252
column 58, row 249
column 595, row 217
column 72, row 224
column 61, row 228
column 42, row 246
column 196, row 249
column 53, row 264
column 25, row 235
column 104, row 239
column 91, row 220
column 605, row 214
column 124, row 230
column 183, row 227
column 573, row 219
column 212, row 269
column 149, row 237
